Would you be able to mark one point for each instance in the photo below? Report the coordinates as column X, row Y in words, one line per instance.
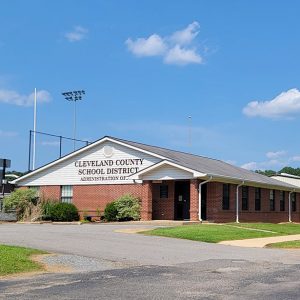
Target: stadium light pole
column 74, row 96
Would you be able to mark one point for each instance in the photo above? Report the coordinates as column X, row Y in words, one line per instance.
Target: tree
column 266, row 172
column 290, row 170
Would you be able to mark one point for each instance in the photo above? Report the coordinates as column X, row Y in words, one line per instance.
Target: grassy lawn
column 283, row 229
column 288, row 245
column 218, row 233
column 17, row 259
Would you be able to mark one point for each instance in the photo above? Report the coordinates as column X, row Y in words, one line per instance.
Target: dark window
column 67, row 193
column 163, row 191
column 282, row 201
column 245, row 193
column 257, row 198
column 226, row 193
column 294, row 206
column 272, row 200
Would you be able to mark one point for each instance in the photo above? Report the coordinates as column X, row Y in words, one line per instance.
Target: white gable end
column 167, row 172
column 106, row 163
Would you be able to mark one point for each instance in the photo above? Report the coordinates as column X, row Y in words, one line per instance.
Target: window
column 282, row 200
column 226, row 193
column 245, row 192
column 67, row 193
column 163, row 191
column 257, row 198
column 294, row 207
column 272, row 200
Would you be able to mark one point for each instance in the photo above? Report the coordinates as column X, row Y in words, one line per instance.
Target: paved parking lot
column 123, row 265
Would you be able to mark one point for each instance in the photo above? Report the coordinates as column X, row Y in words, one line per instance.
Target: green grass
column 217, row 233
column 17, row 259
column 283, row 229
column 287, row 245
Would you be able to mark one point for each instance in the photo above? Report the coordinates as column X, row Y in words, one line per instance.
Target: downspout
column 237, row 201
column 290, row 208
column 200, row 196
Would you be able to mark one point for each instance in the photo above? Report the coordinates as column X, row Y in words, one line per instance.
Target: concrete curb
column 50, row 222
column 261, row 242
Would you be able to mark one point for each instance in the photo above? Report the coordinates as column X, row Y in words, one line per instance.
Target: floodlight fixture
column 74, row 96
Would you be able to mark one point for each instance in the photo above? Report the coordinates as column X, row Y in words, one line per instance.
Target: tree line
column 288, row 170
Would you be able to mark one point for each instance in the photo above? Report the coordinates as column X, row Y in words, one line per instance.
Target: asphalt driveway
column 103, row 242
column 114, row 265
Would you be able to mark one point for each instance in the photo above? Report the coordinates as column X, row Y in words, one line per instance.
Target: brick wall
column 50, row 191
column 217, row 214
column 194, row 200
column 163, row 208
column 89, row 198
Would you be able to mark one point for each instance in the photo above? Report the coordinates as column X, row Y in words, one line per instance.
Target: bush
column 21, row 201
column 125, row 208
column 110, row 212
column 59, row 211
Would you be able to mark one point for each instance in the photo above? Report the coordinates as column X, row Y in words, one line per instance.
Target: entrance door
column 182, row 200
column 203, row 202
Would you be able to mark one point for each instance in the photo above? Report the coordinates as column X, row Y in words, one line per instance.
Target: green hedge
column 110, row 212
column 59, row 211
column 125, row 208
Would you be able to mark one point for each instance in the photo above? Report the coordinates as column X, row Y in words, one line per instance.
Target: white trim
column 166, row 162
column 104, row 139
column 236, row 180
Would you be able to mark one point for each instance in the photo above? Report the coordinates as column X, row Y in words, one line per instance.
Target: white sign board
column 107, row 163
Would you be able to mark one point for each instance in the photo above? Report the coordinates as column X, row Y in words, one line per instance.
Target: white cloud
column 175, row 49
column 8, row 133
column 187, row 35
column 250, row 166
column 152, row 46
column 276, row 159
column 181, row 56
column 275, row 154
column 285, row 104
column 13, row 97
column 270, row 164
column 79, row 33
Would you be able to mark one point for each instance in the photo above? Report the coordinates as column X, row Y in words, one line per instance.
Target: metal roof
column 209, row 166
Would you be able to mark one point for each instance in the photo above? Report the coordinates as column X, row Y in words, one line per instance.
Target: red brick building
column 172, row 185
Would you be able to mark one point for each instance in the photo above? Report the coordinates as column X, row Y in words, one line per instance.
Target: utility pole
column 34, row 131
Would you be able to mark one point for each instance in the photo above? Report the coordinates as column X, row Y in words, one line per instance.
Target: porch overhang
column 160, row 166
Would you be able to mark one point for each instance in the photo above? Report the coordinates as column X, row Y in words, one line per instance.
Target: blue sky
column 233, row 66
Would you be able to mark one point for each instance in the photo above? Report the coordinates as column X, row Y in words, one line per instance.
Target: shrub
column 46, row 209
column 20, row 200
column 110, row 212
column 59, row 211
column 128, row 208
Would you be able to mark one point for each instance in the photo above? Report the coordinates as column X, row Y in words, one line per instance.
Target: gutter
column 235, row 180
column 200, row 196
column 237, row 202
column 290, row 208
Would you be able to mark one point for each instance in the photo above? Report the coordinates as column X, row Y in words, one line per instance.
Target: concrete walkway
column 261, row 242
